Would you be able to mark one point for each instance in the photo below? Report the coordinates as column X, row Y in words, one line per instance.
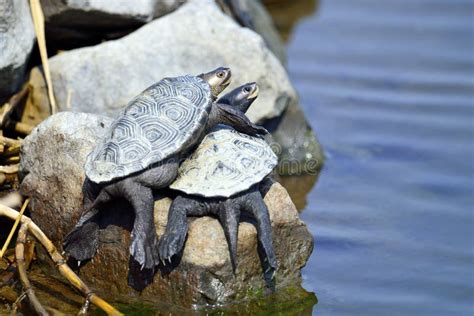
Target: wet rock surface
column 114, row 72
column 52, row 170
column 16, row 42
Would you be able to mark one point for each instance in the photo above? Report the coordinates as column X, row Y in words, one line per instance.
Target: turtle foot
column 170, row 245
column 144, row 250
column 83, row 241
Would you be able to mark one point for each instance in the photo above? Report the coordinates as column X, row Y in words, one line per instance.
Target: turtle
column 225, row 176
column 141, row 152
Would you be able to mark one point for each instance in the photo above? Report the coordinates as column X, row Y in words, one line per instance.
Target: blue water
column 388, row 86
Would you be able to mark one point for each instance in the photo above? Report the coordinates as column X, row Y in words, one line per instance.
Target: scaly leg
column 144, row 244
column 229, row 218
column 82, row 241
column 255, row 205
column 172, row 241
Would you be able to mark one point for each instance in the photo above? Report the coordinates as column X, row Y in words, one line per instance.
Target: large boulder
column 252, row 14
column 17, row 37
column 52, row 174
column 195, row 38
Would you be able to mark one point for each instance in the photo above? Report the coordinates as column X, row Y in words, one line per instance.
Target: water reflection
column 298, row 188
column 287, row 13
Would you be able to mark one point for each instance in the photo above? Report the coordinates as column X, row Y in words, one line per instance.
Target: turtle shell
column 165, row 119
column 225, row 163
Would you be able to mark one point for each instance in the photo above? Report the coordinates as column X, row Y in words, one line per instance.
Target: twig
column 23, row 128
column 60, row 262
column 12, row 199
column 20, row 261
column 38, row 21
column 17, row 220
column 10, row 142
column 2, row 146
column 9, row 169
column 11, row 151
column 17, row 303
column 68, row 100
column 12, row 160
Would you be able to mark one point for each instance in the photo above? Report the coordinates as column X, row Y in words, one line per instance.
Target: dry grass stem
column 64, row 269
column 20, row 261
column 38, row 21
column 17, row 220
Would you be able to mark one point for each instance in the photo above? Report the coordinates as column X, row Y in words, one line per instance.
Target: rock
column 51, row 168
column 252, row 14
column 76, row 23
column 195, row 38
column 263, row 25
column 294, row 142
column 104, row 14
column 17, row 37
column 52, row 173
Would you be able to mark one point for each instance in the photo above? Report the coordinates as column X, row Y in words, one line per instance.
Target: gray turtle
column 141, row 152
column 223, row 177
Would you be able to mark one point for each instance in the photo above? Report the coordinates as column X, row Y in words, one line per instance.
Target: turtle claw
column 170, row 245
column 83, row 241
column 144, row 251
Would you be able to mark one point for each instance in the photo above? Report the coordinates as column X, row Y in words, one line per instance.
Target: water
column 388, row 87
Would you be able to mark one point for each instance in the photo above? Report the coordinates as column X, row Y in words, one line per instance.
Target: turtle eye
column 246, row 89
column 221, row 74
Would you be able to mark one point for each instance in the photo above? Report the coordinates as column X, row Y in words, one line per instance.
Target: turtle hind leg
column 144, row 242
column 172, row 241
column 255, row 205
column 229, row 217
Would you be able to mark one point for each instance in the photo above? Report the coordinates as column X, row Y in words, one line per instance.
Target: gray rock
column 263, row 25
column 295, row 143
column 17, row 37
column 193, row 39
column 104, row 13
column 52, row 171
column 252, row 14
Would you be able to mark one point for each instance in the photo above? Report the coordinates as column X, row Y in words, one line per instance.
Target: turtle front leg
column 144, row 241
column 229, row 217
column 255, row 205
column 226, row 114
column 82, row 241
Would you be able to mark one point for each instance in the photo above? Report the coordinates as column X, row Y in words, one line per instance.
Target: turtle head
column 241, row 97
column 218, row 79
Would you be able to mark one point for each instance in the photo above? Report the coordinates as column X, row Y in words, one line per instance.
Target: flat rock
column 193, row 39
column 52, row 174
column 17, row 37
